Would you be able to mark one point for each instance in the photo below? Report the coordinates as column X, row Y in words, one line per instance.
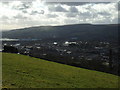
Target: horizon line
column 54, row 26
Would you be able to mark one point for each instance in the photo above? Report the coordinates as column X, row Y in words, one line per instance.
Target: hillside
column 21, row 71
column 79, row 31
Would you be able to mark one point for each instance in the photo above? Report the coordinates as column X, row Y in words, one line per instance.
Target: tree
column 10, row 49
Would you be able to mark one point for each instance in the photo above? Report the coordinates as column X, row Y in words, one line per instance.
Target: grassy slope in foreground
column 24, row 72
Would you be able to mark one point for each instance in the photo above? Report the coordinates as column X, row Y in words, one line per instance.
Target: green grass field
column 21, row 71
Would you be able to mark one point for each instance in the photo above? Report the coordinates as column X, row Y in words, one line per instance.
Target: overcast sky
column 16, row 14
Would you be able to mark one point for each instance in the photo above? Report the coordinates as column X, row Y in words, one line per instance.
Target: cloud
column 52, row 15
column 20, row 17
column 21, row 14
column 21, row 6
column 37, row 12
column 57, row 8
column 71, row 21
column 71, row 15
column 85, row 15
column 73, row 9
column 4, row 18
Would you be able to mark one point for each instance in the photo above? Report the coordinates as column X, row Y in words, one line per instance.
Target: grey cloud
column 25, row 6
column 37, row 12
column 45, row 22
column 71, row 21
column 119, row 20
column 104, row 13
column 71, row 14
column 34, row 12
column 116, row 20
column 102, row 22
column 7, row 3
column 52, row 15
column 22, row 6
column 85, row 14
column 19, row 16
column 118, row 5
column 73, row 9
column 59, row 8
column 4, row 18
column 24, row 11
column 67, row 3
column 74, row 3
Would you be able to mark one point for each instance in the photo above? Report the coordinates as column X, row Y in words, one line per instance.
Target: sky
column 17, row 14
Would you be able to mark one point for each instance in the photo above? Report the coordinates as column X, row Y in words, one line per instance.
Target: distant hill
column 19, row 71
column 77, row 31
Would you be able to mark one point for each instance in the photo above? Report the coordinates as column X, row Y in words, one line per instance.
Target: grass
column 21, row 71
